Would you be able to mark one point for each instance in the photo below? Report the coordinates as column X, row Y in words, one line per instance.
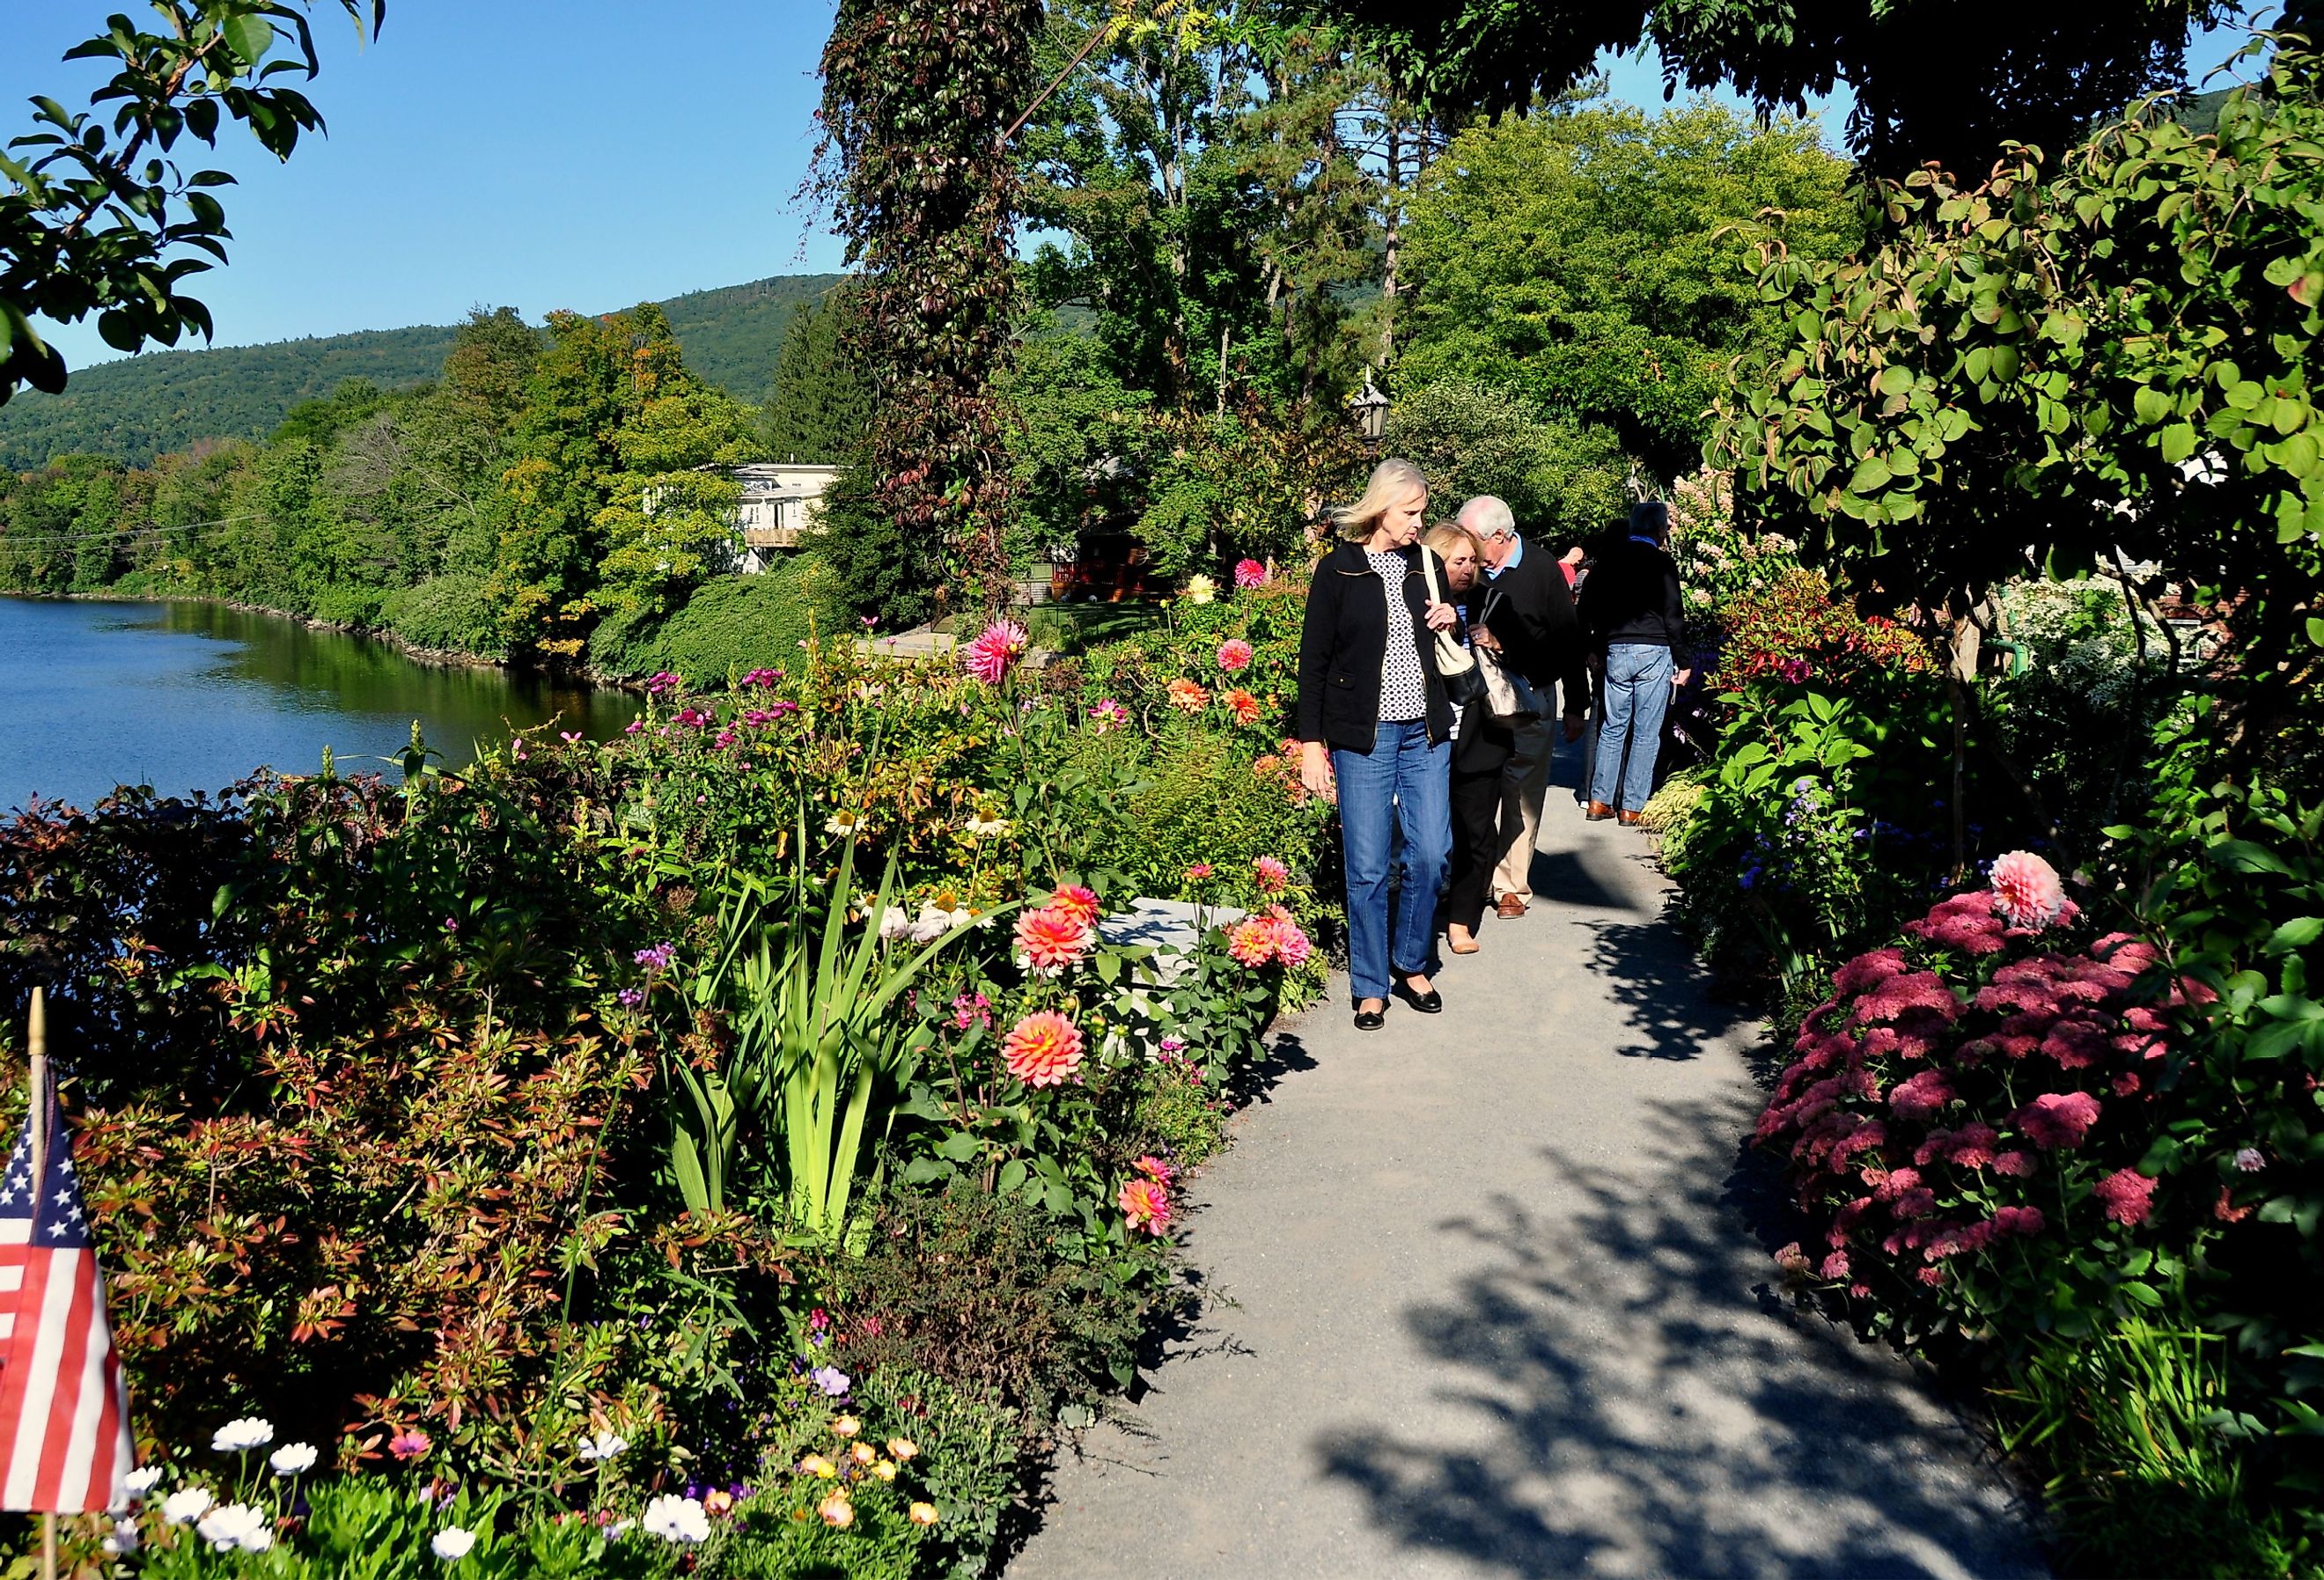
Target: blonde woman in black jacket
column 1374, row 720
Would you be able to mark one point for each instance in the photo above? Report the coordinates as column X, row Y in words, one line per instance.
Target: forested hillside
column 141, row 407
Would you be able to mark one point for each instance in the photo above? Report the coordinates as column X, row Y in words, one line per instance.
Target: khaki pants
column 1524, row 784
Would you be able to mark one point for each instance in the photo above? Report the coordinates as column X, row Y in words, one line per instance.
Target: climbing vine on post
column 917, row 98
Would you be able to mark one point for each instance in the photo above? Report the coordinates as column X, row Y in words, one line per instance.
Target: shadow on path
column 1649, row 1417
column 1660, row 988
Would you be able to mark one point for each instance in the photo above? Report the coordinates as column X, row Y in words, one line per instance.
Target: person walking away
column 1375, row 721
column 1536, row 633
column 1480, row 750
column 1631, row 607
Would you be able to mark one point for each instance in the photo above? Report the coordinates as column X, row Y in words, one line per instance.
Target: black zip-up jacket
column 1344, row 641
column 1536, row 624
column 1632, row 598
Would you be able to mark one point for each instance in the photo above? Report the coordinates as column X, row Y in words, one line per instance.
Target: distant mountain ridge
column 143, row 406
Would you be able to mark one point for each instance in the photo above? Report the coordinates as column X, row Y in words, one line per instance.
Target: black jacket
column 1534, row 620
column 1632, row 598
column 1344, row 641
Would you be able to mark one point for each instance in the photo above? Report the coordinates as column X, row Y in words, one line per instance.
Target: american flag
column 64, row 1410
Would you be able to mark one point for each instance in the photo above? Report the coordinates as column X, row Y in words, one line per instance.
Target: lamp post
column 1370, row 409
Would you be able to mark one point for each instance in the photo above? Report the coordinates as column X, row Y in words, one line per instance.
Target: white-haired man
column 1537, row 634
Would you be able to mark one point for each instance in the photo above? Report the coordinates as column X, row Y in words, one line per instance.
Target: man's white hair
column 1488, row 515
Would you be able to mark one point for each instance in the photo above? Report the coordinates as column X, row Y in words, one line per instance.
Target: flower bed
column 765, row 1071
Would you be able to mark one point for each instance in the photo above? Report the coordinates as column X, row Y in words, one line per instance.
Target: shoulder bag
column 1509, row 697
column 1464, row 683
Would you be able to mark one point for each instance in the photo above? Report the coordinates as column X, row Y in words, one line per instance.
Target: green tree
column 1564, row 481
column 669, row 524
column 1598, row 260
column 96, row 217
column 1950, row 83
column 821, row 401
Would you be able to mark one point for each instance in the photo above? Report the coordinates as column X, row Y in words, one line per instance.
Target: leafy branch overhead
column 97, row 217
column 2109, row 353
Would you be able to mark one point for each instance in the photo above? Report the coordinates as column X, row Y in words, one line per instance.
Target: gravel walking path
column 1482, row 1298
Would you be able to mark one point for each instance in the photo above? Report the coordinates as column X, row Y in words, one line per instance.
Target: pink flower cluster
column 1897, row 1116
column 1271, row 937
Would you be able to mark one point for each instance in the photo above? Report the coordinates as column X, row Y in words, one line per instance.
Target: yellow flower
column 923, row 1514
column 846, row 1427
column 902, row 1447
column 885, row 1470
column 1201, row 589
column 815, row 1465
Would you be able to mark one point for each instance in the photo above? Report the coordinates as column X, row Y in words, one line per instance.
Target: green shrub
column 732, row 625
column 453, row 613
column 1562, row 480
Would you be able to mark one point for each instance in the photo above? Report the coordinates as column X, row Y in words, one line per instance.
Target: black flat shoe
column 1431, row 1003
column 1370, row 1019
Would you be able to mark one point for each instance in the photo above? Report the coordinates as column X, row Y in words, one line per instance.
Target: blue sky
column 541, row 153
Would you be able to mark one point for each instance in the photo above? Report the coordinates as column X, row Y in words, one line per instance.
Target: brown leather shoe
column 1629, row 818
column 1510, row 908
column 1598, row 811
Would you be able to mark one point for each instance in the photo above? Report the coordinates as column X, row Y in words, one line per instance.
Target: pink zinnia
column 1249, row 574
column 1051, row 939
column 2026, row 889
column 1043, row 1049
column 1145, row 1203
column 1234, row 654
column 997, row 647
column 1272, row 875
column 2128, row 1194
column 2058, row 1119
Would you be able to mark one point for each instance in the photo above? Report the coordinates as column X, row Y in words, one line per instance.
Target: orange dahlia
column 1251, row 941
column 1245, row 706
column 1188, row 697
column 1043, row 1049
column 1145, row 1203
column 1051, row 939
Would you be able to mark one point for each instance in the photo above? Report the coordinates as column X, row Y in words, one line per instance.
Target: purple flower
column 631, row 997
column 762, row 678
column 634, row 726
column 661, row 683
column 657, row 957
column 830, row 1378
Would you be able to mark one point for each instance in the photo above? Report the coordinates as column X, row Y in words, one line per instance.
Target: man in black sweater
column 1535, row 630
column 1632, row 609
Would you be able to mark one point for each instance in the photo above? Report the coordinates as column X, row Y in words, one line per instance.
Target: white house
column 779, row 502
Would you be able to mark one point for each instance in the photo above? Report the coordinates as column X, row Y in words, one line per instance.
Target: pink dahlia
column 1145, row 1203
column 996, row 648
column 1075, row 901
column 2128, row 1194
column 1291, row 942
column 1108, row 715
column 1272, row 875
column 1159, row 1170
column 1249, row 574
column 1043, row 1049
column 2026, row 889
column 2058, row 1119
column 1051, row 939
column 1234, row 654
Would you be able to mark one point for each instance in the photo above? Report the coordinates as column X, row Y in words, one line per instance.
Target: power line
column 150, row 529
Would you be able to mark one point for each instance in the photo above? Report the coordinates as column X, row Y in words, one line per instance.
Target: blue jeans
column 1403, row 782
column 1638, row 695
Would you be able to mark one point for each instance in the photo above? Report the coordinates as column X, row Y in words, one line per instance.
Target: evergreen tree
column 821, row 401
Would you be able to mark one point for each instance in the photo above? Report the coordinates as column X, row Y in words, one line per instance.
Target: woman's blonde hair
column 1444, row 536
column 1390, row 481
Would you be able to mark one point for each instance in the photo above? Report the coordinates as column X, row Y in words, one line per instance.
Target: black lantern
column 1370, row 409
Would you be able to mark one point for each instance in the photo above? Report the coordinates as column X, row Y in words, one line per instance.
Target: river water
column 187, row 696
